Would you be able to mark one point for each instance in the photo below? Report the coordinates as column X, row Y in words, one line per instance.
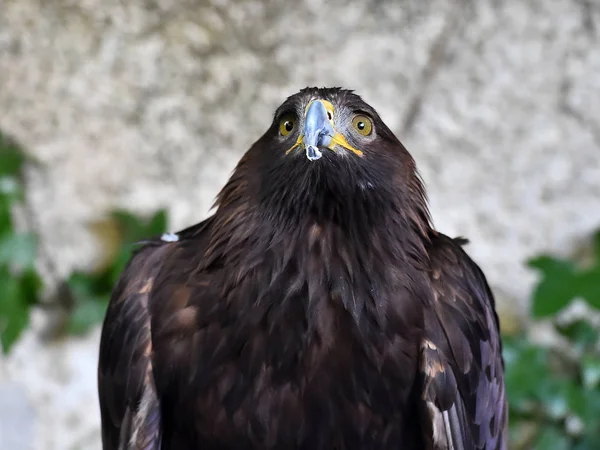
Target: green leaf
column 90, row 302
column 14, row 311
column 577, row 400
column 19, row 250
column 11, row 157
column 552, row 438
column 590, row 442
column 5, row 216
column 119, row 264
column 129, row 225
column 31, row 286
column 526, row 366
column 590, row 413
column 89, row 311
column 83, row 285
column 557, row 287
column 590, row 367
column 580, row 333
column 158, row 224
column 554, row 394
column 588, row 286
column 549, row 265
column 134, row 228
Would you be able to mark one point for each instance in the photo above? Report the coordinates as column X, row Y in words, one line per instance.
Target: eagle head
column 328, row 156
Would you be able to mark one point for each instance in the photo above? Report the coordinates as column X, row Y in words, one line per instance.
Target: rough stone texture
column 145, row 104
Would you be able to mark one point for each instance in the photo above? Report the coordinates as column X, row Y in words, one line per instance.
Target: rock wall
column 150, row 103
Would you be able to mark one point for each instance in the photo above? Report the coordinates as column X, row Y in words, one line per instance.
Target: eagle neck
column 316, row 215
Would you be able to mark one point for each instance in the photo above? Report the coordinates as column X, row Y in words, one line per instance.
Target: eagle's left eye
column 287, row 124
column 362, row 124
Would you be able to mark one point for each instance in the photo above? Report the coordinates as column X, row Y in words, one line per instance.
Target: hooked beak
column 318, row 132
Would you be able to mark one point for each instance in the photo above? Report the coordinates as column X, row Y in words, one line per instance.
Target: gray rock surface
column 150, row 103
column 17, row 417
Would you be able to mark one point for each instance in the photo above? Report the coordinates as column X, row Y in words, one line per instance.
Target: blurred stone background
column 146, row 104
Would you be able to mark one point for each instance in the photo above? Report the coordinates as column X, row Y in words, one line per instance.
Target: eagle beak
column 319, row 131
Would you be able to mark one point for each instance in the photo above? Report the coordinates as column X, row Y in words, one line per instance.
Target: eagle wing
column 461, row 356
column 129, row 405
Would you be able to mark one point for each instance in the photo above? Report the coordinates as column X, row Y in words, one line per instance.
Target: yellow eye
column 287, row 124
column 362, row 124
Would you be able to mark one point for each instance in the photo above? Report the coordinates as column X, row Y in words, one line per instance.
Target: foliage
column 20, row 283
column 554, row 394
column 91, row 291
column 563, row 281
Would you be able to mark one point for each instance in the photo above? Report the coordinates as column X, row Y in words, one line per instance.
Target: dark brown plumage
column 316, row 309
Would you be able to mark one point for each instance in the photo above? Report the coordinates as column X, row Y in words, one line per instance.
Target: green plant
column 563, row 280
column 90, row 292
column 554, row 393
column 19, row 282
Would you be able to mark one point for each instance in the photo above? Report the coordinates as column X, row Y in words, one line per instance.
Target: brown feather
column 316, row 309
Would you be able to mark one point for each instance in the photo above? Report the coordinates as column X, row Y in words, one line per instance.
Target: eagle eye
column 362, row 124
column 287, row 124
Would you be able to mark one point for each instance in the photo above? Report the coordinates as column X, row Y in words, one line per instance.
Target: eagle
column 316, row 308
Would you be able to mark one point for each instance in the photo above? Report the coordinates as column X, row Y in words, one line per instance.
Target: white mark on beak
column 313, row 153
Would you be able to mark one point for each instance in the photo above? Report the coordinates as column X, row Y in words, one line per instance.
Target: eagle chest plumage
column 316, row 309
column 315, row 340
column 324, row 345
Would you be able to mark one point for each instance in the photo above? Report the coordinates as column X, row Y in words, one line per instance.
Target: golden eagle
column 316, row 309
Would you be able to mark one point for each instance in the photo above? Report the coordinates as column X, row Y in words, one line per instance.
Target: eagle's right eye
column 287, row 124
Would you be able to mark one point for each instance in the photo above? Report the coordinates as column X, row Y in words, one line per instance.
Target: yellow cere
column 337, row 138
column 328, row 107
